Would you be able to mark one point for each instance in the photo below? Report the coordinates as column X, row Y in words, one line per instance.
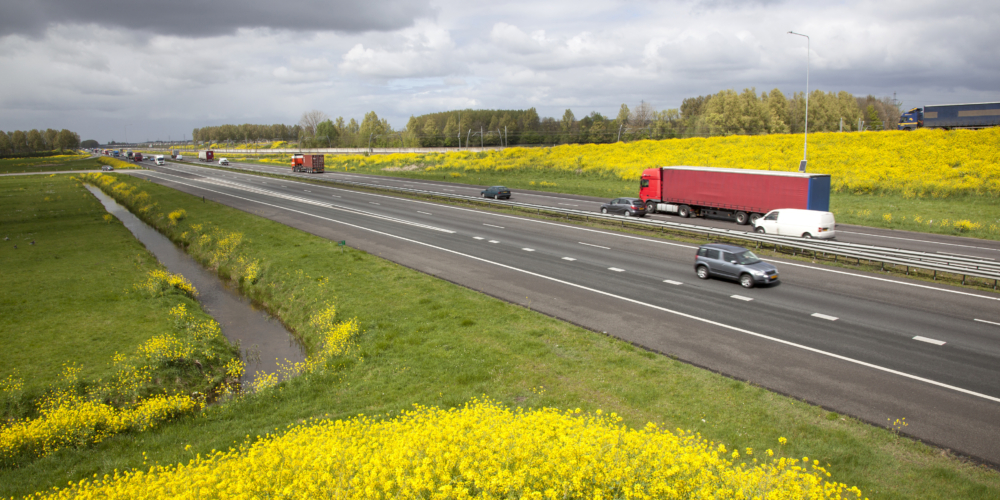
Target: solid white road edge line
column 921, row 241
column 633, row 301
column 929, row 341
column 876, row 278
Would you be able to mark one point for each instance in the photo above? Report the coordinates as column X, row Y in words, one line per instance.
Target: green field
column 68, row 298
column 425, row 341
column 48, row 164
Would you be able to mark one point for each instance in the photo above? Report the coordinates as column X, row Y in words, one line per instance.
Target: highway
column 859, row 344
column 921, row 242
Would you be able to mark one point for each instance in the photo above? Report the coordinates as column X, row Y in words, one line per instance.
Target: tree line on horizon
column 34, row 140
column 721, row 114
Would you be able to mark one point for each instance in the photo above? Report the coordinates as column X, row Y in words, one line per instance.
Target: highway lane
column 923, row 242
column 617, row 283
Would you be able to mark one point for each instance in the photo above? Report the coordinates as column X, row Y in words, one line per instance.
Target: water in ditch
column 263, row 340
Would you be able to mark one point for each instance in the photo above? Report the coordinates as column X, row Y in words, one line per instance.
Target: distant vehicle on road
column 223, row 161
column 792, row 222
column 735, row 263
column 633, row 207
column 159, row 160
column 308, row 163
column 137, row 157
column 180, row 157
column 496, row 192
column 949, row 116
column 107, row 168
column 206, row 155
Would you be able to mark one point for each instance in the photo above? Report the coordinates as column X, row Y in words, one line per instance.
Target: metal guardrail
column 947, row 263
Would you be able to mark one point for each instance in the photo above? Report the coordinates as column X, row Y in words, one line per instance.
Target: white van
column 180, row 157
column 796, row 222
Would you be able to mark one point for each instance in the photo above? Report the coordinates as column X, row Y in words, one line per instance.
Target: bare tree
column 641, row 115
column 310, row 119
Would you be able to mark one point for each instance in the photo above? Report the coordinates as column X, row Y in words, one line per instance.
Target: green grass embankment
column 48, row 164
column 69, row 299
column 429, row 342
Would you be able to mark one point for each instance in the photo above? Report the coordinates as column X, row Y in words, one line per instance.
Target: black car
column 625, row 206
column 733, row 262
column 496, row 192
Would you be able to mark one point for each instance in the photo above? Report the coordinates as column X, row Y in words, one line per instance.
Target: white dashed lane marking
column 592, row 245
column 672, row 282
column 615, row 269
column 478, row 238
column 571, row 259
column 990, row 322
column 929, row 341
column 491, row 225
column 824, row 316
column 740, row 297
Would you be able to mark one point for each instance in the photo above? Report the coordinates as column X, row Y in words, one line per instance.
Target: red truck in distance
column 308, row 163
column 206, row 155
column 731, row 193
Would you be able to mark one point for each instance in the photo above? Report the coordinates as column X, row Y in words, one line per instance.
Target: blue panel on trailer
column 819, row 193
column 984, row 114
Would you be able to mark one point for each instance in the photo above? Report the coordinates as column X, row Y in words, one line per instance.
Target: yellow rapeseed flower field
column 934, row 163
column 482, row 451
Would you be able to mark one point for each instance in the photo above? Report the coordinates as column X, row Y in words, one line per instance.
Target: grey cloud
column 198, row 18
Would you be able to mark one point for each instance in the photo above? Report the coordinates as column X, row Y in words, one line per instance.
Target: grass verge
column 70, row 303
column 425, row 342
column 49, row 164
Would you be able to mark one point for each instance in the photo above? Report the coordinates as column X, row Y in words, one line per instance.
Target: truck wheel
column 754, row 216
column 807, row 236
column 761, row 230
column 684, row 212
column 650, row 207
column 746, row 280
column 742, row 218
column 604, row 210
column 703, row 272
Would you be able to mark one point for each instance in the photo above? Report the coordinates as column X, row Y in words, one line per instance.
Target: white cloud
column 582, row 54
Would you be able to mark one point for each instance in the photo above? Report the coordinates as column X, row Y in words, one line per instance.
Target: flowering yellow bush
column 118, row 164
column 177, row 216
column 158, row 282
column 71, row 420
column 926, row 162
column 483, row 451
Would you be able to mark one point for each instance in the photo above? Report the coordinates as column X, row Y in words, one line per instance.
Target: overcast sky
column 153, row 70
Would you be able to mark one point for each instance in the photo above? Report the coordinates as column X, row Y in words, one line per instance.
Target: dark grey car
column 496, row 192
column 735, row 263
column 625, row 206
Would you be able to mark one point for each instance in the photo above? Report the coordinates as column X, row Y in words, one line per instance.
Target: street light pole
column 805, row 140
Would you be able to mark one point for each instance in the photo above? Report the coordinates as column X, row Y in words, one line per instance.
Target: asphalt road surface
column 859, row 344
column 921, row 242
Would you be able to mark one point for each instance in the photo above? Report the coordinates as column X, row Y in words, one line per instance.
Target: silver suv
column 733, row 262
